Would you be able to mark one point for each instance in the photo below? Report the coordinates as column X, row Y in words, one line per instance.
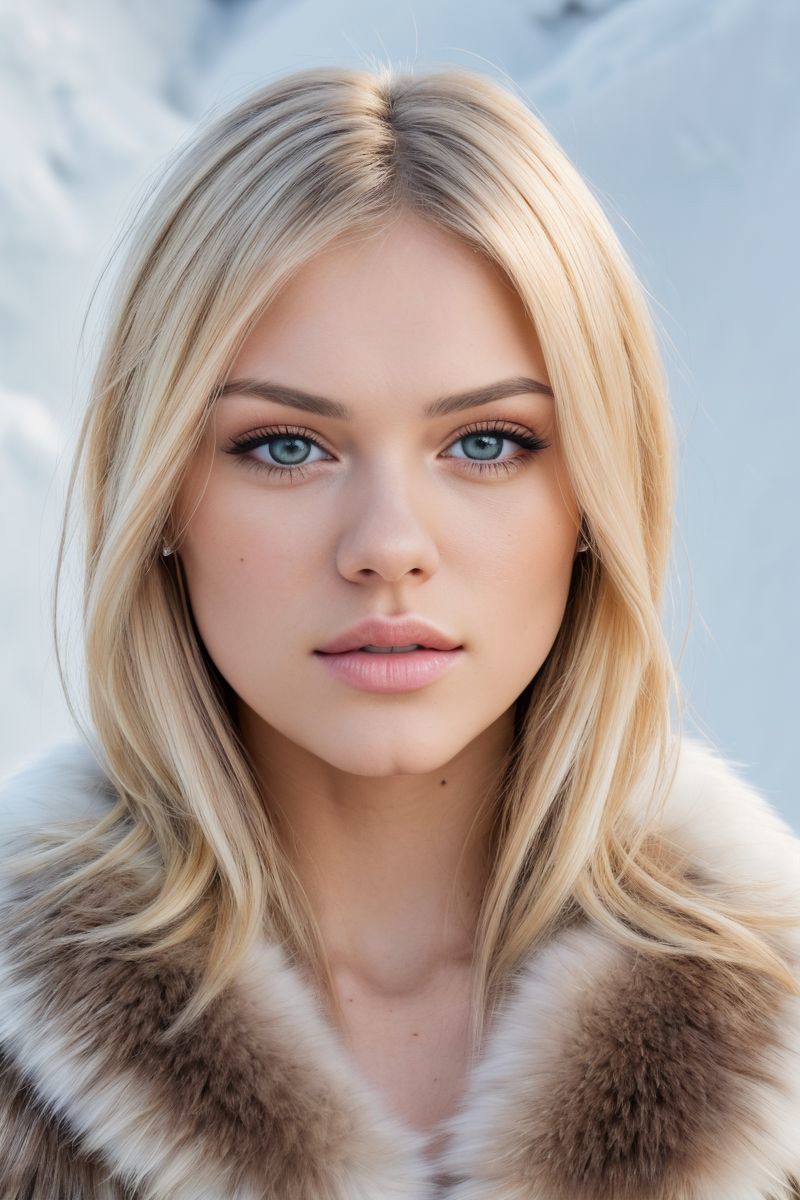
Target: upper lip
column 390, row 631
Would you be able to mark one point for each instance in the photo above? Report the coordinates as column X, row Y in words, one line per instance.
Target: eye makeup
column 530, row 444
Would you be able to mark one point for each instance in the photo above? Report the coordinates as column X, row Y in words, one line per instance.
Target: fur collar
column 607, row 1075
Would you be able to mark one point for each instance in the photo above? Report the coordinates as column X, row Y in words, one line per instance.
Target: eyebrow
column 518, row 385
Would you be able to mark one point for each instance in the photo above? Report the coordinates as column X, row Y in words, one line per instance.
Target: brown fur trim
column 622, row 1075
column 652, row 1083
column 609, row 1073
column 42, row 1157
column 239, row 1102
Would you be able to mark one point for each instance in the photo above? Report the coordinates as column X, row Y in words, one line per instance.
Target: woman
column 379, row 871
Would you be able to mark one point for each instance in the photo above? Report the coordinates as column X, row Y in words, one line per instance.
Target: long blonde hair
column 256, row 192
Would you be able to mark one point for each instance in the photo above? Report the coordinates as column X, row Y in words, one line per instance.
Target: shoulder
column 723, row 822
column 64, row 783
column 48, row 791
column 709, row 785
column 613, row 1072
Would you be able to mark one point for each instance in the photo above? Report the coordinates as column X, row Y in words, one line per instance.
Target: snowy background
column 684, row 117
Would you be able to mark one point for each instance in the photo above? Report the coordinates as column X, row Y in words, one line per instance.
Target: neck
column 394, row 867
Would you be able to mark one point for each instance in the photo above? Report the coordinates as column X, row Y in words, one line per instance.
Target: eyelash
column 529, row 442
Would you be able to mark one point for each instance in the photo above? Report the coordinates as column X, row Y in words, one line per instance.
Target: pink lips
column 390, row 672
column 407, row 630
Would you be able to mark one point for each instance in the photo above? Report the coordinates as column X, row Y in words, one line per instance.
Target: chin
column 368, row 755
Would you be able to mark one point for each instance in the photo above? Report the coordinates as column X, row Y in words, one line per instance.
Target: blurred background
column 684, row 118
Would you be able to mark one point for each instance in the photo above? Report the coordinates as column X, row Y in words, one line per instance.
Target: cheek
column 522, row 561
column 247, row 573
column 526, row 540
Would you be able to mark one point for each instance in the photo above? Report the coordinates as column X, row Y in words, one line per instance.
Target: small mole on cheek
column 442, row 782
column 241, row 560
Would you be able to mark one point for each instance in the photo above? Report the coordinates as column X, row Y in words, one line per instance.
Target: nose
column 390, row 532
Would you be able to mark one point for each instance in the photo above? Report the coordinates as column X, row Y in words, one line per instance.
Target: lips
column 390, row 631
column 386, row 673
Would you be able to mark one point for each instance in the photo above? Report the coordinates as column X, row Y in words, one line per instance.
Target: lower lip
column 390, row 672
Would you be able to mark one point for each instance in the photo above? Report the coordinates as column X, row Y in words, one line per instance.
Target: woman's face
column 389, row 512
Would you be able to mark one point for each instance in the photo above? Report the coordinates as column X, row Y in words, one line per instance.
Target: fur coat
column 609, row 1075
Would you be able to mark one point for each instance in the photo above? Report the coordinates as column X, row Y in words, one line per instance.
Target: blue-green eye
column 287, row 444
column 487, row 443
column 290, row 449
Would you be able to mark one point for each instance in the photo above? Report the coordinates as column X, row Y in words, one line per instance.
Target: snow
column 683, row 117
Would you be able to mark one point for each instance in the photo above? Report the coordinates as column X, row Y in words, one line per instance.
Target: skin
column 377, row 792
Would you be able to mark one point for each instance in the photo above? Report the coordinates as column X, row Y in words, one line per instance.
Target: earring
column 583, row 544
column 166, row 550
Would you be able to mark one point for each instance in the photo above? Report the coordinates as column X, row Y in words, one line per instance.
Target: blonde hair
column 315, row 155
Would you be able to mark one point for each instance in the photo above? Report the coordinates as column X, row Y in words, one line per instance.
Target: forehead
column 412, row 310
